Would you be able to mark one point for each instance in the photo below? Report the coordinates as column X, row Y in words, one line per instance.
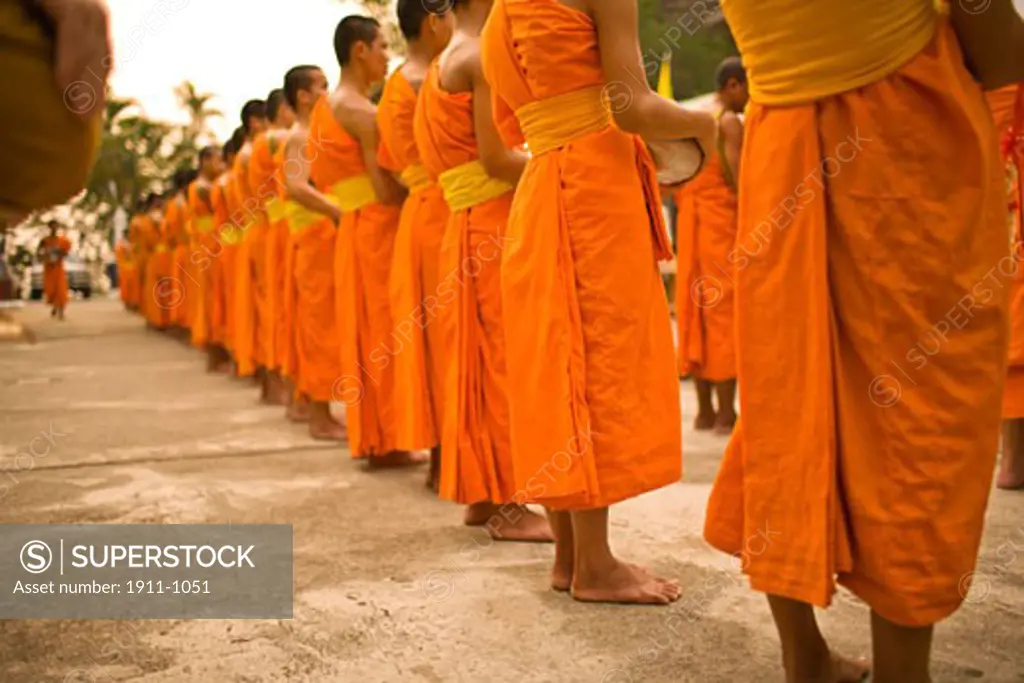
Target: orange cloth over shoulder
column 476, row 453
column 705, row 239
column 871, row 363
column 592, row 383
column 215, row 292
column 55, row 278
column 243, row 304
column 1007, row 106
column 415, row 280
column 363, row 253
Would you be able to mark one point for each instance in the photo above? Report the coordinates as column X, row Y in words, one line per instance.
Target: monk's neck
column 420, row 54
column 356, row 80
column 302, row 117
column 471, row 20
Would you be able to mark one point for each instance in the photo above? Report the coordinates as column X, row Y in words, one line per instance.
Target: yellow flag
column 665, row 78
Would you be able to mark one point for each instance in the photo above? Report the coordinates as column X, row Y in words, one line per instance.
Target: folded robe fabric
column 869, row 428
column 592, row 386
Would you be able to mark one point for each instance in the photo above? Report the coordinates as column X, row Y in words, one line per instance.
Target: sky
column 235, row 49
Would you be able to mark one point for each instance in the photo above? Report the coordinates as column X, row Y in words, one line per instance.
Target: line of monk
column 471, row 269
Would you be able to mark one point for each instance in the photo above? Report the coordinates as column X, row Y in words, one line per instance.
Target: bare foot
column 849, row 670
column 1010, row 478
column 477, row 514
column 509, row 522
column 396, row 459
column 623, row 583
column 724, row 422
column 327, row 430
column 561, row 575
column 704, row 422
column 434, row 474
column 298, row 411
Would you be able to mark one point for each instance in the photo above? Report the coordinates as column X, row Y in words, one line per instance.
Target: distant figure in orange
column 52, row 251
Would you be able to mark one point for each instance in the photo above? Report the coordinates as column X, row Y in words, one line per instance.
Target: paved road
column 388, row 585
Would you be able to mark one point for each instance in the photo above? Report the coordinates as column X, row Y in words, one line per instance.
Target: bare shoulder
column 461, row 64
column 414, row 72
column 353, row 110
column 731, row 125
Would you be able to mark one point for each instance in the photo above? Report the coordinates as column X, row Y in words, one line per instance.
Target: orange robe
column 476, row 454
column 363, row 254
column 317, row 352
column 181, row 271
column 55, row 279
column 276, row 255
column 202, row 253
column 419, row 373
column 243, row 304
column 230, row 237
column 705, row 238
column 126, row 270
column 1007, row 107
column 284, row 318
column 216, row 306
column 144, row 244
column 871, row 309
column 592, row 385
column 161, row 293
column 263, row 186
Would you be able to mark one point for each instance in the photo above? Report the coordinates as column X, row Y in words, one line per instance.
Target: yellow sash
column 229, row 234
column 796, row 51
column 160, row 249
column 467, row 185
column 416, row 178
column 276, row 210
column 203, row 224
column 556, row 121
column 299, row 217
column 354, row 193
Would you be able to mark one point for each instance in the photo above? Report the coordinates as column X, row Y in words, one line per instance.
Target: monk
column 312, row 221
column 245, row 217
column 343, row 143
column 59, row 54
column 231, row 235
column 155, row 256
column 127, row 272
column 219, row 359
column 706, row 235
column 1007, row 106
column 202, row 251
column 419, row 375
column 477, row 169
column 179, row 230
column 52, row 251
column 591, row 378
column 268, row 244
column 161, row 292
column 855, row 271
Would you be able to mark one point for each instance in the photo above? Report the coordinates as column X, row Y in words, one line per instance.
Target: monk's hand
column 83, row 53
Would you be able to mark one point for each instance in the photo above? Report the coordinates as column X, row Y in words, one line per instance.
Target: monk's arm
column 500, row 161
column 363, row 126
column 296, row 179
column 992, row 41
column 732, row 141
column 637, row 109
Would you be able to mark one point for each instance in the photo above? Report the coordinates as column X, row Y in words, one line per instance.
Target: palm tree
column 196, row 104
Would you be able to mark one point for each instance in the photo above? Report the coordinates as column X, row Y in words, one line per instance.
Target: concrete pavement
column 388, row 585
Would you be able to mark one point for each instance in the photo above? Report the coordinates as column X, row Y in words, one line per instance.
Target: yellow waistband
column 416, row 178
column 556, row 121
column 160, row 249
column 354, row 193
column 796, row 51
column 467, row 185
column 300, row 218
column 229, row 233
column 203, row 224
column 276, row 210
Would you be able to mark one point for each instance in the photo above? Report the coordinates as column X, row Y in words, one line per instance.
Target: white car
column 79, row 279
